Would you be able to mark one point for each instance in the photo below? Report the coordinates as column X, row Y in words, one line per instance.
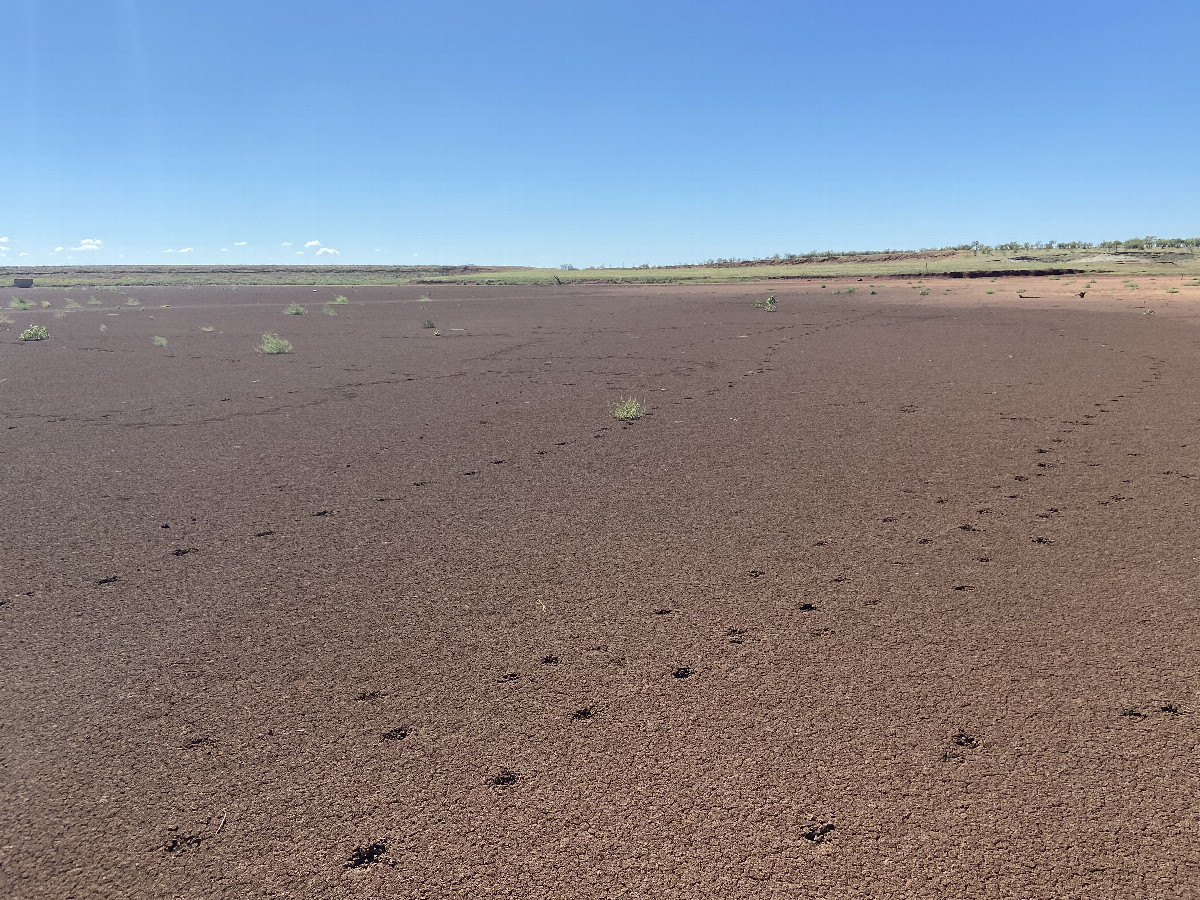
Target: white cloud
column 240, row 243
column 168, row 251
column 57, row 250
column 313, row 244
column 24, row 254
column 89, row 244
column 287, row 243
column 186, row 250
column 299, row 252
column 224, row 249
column 328, row 250
column 3, row 240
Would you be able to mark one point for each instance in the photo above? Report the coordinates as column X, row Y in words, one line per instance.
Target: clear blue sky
column 603, row 132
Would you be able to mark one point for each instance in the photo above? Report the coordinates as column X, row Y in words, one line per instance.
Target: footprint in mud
column 550, row 660
column 806, row 607
column 368, row 695
column 585, row 713
column 396, row 734
column 663, row 612
column 180, row 844
column 505, row 778
column 263, row 533
column 682, row 672
column 818, row 832
column 964, row 740
column 510, row 676
column 363, row 856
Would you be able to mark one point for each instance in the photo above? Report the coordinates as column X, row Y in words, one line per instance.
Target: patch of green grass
column 35, row 333
column 294, row 309
column 160, row 341
column 851, row 290
column 989, row 292
column 103, row 329
column 1172, row 290
column 132, row 302
column 328, row 311
column 873, row 292
column 770, row 304
column 92, row 301
column 627, row 409
column 424, row 299
column 206, row 328
column 427, row 323
column 45, row 304
column 273, row 343
column 339, row 300
column 923, row 291
column 73, row 304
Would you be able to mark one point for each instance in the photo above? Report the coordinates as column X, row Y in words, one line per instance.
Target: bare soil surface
column 888, row 595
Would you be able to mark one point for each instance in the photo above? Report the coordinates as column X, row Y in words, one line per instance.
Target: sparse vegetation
column 35, row 333
column 132, row 302
column 73, row 304
column 770, row 304
column 45, row 304
column 427, row 323
column 92, row 301
column 628, row 409
column 1172, row 290
column 328, row 311
column 206, row 328
column 424, row 298
column 294, row 309
column 339, row 300
column 160, row 341
column 103, row 329
column 273, row 343
column 923, row 291
column 18, row 303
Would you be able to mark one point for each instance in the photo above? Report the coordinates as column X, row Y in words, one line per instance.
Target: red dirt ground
column 399, row 615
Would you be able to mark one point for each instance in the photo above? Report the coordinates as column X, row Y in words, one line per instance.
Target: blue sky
column 543, row 133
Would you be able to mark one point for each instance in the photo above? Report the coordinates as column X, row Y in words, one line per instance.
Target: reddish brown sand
column 888, row 596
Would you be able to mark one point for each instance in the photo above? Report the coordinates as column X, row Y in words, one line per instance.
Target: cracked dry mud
column 887, row 596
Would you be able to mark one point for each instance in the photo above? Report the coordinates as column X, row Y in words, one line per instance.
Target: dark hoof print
column 1170, row 709
column 550, row 660
column 323, row 512
column 366, row 855
column 185, row 552
column 983, row 559
column 890, row 519
column 368, row 695
column 682, row 672
column 164, row 526
column 1020, row 478
column 180, row 844
column 470, row 473
column 964, row 587
column 1133, row 713
column 806, row 607
column 510, row 676
column 925, row 541
column 1041, row 540
column 962, row 739
column 263, row 533
column 663, row 612
column 110, row 580
column 505, row 778
column 817, row 833
column 396, row 734
column 756, row 573
column 585, row 713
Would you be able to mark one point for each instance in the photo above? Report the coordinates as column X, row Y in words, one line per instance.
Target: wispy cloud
column 57, row 250
column 170, row 251
column 240, row 243
column 89, row 244
column 313, row 244
column 287, row 243
column 23, row 254
column 328, row 250
column 186, row 250
column 3, row 240
column 224, row 249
